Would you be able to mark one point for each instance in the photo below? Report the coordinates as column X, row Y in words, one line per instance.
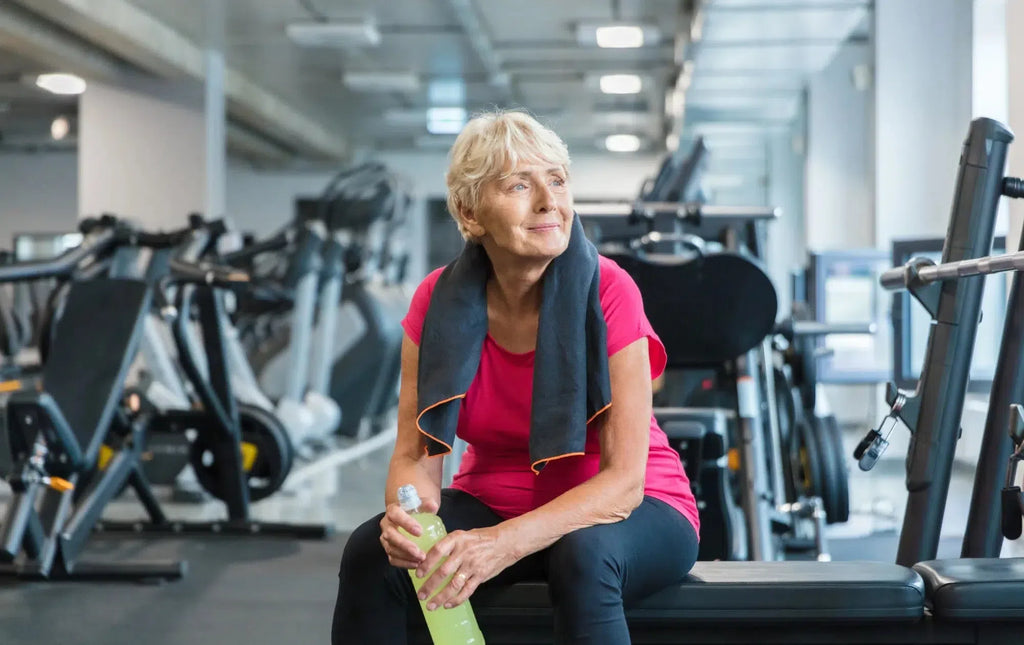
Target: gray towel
column 570, row 371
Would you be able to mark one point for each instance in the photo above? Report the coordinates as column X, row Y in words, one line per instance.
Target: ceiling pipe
column 472, row 25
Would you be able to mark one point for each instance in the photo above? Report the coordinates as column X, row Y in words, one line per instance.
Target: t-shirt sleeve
column 624, row 315
column 413, row 321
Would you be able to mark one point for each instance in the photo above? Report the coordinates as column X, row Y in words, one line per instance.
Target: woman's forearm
column 422, row 472
column 608, row 497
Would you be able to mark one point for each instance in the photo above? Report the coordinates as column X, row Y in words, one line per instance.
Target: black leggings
column 590, row 573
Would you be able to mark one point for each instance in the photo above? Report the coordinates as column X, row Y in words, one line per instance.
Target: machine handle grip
column 1011, row 512
column 58, row 484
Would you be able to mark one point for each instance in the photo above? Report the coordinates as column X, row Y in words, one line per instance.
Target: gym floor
column 265, row 590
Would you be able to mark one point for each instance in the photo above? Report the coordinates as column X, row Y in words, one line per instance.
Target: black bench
column 828, row 603
column 973, row 589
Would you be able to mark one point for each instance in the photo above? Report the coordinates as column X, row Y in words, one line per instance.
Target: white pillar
column 142, row 152
column 989, row 69
column 839, row 195
column 215, row 136
column 215, row 111
column 1015, row 110
column 923, row 107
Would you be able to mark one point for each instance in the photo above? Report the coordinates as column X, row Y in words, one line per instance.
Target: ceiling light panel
column 621, row 84
column 617, row 35
column 622, row 143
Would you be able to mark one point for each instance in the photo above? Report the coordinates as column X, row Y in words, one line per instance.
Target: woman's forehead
column 529, row 165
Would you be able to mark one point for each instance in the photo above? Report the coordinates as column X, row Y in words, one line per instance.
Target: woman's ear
column 470, row 222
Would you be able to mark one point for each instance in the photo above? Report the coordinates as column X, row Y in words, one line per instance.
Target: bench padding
column 975, row 588
column 753, row 591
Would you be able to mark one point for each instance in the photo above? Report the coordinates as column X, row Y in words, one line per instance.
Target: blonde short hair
column 489, row 148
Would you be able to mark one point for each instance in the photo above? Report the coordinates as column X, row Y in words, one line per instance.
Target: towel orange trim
column 533, row 466
column 427, row 434
column 598, row 413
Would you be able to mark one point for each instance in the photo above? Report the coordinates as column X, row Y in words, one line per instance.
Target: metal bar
column 327, row 319
column 61, row 265
column 226, row 527
column 774, row 435
column 943, row 385
column 906, row 276
column 684, row 211
column 137, row 480
column 983, row 537
column 75, row 533
column 812, row 328
column 213, row 319
column 13, row 531
column 754, row 485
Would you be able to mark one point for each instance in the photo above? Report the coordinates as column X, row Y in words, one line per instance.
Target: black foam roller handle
column 1011, row 513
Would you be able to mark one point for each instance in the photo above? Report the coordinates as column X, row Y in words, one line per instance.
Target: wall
column 142, row 151
column 787, row 243
column 922, row 111
column 839, row 199
column 38, row 193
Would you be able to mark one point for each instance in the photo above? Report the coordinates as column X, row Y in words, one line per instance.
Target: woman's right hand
column 402, row 552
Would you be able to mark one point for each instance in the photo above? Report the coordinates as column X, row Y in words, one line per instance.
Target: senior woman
column 535, row 351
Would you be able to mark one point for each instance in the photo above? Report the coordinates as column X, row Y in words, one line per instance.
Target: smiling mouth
column 544, row 227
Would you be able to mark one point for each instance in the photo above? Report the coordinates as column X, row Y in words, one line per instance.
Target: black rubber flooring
column 238, row 590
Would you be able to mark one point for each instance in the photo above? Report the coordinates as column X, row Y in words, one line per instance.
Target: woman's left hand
column 474, row 557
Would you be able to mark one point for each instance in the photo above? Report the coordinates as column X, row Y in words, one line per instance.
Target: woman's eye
column 558, row 181
column 519, row 186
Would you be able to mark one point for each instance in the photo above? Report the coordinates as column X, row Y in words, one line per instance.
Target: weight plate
column 834, row 486
column 265, row 449
column 805, row 461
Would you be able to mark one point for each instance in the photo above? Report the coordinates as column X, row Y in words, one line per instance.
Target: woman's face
column 527, row 214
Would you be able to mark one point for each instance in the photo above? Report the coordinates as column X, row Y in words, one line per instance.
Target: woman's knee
column 586, row 557
column 363, row 549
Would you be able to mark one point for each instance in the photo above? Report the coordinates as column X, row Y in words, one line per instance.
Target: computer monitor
column 842, row 287
column 911, row 323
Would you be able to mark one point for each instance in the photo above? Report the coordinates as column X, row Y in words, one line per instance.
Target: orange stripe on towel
column 598, row 413
column 427, row 434
column 533, row 466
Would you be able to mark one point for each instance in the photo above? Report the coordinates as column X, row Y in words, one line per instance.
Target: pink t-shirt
column 494, row 418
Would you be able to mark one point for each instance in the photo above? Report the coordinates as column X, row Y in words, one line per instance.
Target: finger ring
column 463, row 577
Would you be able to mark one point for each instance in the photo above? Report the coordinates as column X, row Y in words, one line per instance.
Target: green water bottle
column 455, row 626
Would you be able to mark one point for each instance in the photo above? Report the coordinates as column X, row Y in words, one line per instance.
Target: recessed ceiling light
column 622, row 143
column 451, row 91
column 59, row 128
column 621, row 84
column 620, row 36
column 445, row 120
column 335, row 33
column 66, row 84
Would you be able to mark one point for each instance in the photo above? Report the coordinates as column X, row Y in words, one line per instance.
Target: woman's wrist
column 507, row 542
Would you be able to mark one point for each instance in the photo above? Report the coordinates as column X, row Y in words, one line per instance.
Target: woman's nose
column 545, row 199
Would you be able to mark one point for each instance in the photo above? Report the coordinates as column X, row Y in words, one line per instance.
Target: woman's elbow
column 630, row 498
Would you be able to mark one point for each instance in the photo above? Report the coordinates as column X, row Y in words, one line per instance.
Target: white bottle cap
column 408, row 498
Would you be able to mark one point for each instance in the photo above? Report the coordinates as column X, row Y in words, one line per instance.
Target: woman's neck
column 514, row 287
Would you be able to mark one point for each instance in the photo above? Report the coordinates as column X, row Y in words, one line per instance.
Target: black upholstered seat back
column 95, row 341
column 707, row 309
